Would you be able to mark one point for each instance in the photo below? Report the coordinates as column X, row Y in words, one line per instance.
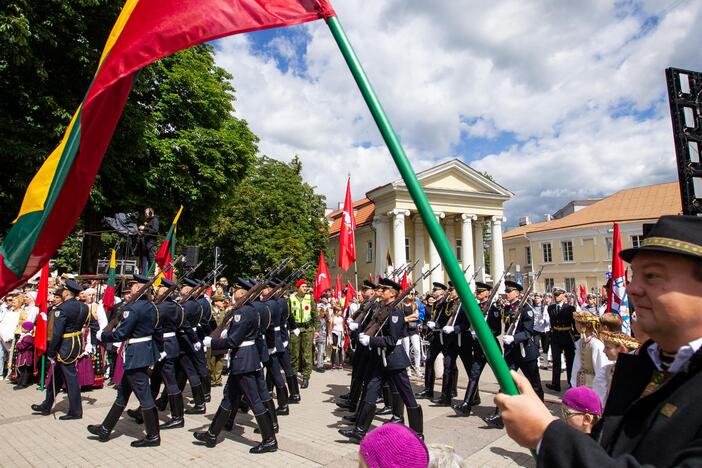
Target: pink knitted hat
column 394, row 445
column 583, row 399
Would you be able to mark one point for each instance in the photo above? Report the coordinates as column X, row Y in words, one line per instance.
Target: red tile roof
column 365, row 211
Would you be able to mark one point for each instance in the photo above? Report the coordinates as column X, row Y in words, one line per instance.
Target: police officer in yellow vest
column 303, row 327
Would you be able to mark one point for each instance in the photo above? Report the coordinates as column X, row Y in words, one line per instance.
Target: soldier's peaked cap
column 72, row 286
column 244, row 284
column 191, row 282
column 513, row 285
column 438, row 285
column 390, row 284
column 482, row 286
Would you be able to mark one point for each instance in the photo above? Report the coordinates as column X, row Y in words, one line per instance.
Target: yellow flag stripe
column 177, row 216
column 113, row 259
column 38, row 189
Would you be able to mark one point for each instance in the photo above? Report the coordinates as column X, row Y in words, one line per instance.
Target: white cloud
column 552, row 73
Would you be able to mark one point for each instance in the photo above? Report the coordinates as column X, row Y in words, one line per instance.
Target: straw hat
column 620, row 339
column 585, row 317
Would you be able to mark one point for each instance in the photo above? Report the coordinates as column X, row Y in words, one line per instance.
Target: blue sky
column 556, row 101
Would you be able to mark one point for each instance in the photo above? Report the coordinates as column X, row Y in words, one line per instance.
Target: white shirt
column 542, row 322
column 681, row 358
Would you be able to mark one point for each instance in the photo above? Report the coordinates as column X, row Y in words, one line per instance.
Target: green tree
column 272, row 214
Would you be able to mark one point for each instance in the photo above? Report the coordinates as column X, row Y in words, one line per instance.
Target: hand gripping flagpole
column 487, row 342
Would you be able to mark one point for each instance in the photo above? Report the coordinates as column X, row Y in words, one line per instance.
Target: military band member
column 435, row 324
column 240, row 338
column 302, row 311
column 138, row 330
column 562, row 337
column 389, row 363
column 63, row 351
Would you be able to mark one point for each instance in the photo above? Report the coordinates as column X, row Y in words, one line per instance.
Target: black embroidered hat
column 675, row 234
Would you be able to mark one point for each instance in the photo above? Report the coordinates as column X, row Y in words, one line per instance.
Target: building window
column 369, row 252
column 636, row 241
column 459, row 250
column 548, row 284
column 570, row 284
column 567, row 247
column 608, row 242
column 407, row 249
column 546, row 250
column 527, row 254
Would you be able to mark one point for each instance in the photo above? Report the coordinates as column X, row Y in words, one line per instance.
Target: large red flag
column 42, row 303
column 322, row 282
column 145, row 31
column 347, row 240
column 617, row 300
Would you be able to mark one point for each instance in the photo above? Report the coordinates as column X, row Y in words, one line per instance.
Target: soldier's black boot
column 293, row 389
column 428, row 391
column 445, row 397
column 136, row 414
column 269, row 381
column 162, row 401
column 366, row 412
column 282, row 394
column 398, row 409
column 270, row 406
column 463, row 409
column 177, row 420
column 350, row 418
column 494, row 420
column 229, row 424
column 209, row 437
column 199, row 400
column 206, row 387
column 476, row 397
column 454, row 383
column 415, row 417
column 269, row 442
column 153, row 437
column 103, row 430
column 387, row 400
column 305, row 382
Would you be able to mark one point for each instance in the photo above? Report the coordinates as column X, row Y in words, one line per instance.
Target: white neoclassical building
column 390, row 231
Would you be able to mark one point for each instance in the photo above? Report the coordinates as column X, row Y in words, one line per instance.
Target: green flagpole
column 475, row 315
column 43, row 368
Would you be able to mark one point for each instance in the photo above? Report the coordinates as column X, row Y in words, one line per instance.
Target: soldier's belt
column 71, row 335
column 276, row 328
column 142, row 339
column 169, row 334
column 561, row 329
column 244, row 344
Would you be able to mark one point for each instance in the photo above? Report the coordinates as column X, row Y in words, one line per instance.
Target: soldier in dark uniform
column 389, row 363
column 193, row 315
column 449, row 346
column 276, row 348
column 204, row 327
column 139, row 331
column 285, row 362
column 240, row 337
column 477, row 357
column 435, row 324
column 562, row 337
column 63, row 350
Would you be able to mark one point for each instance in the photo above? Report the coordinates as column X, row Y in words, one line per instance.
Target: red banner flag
column 350, row 294
column 405, row 282
column 338, row 289
column 347, row 240
column 42, row 303
column 583, row 296
column 322, row 282
column 617, row 300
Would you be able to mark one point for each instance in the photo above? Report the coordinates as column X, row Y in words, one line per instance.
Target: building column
column 497, row 259
column 437, row 276
column 419, row 252
column 382, row 242
column 467, row 245
column 398, row 237
column 479, row 252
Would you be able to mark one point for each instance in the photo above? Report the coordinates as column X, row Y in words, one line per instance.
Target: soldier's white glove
column 296, row 332
column 364, row 339
column 52, row 361
column 271, row 351
column 508, row 339
column 99, row 335
column 448, row 329
column 431, row 325
column 285, row 344
column 197, row 346
column 223, row 335
column 207, row 341
column 349, row 320
column 353, row 326
column 162, row 356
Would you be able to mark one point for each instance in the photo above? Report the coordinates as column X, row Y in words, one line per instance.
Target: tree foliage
column 272, row 214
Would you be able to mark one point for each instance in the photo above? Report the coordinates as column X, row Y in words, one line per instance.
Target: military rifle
column 177, row 283
column 522, row 301
column 117, row 316
column 495, row 288
column 283, row 285
column 197, row 290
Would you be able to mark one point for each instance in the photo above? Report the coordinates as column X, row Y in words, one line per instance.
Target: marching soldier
column 240, row 338
column 204, row 328
column 302, row 311
column 562, row 337
column 285, row 361
column 449, row 346
column 435, row 324
column 138, row 330
column 193, row 315
column 389, row 363
column 63, row 351
column 274, row 342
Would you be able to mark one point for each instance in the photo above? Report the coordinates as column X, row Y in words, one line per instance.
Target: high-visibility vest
column 301, row 309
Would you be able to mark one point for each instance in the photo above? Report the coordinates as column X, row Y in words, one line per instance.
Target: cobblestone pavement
column 308, row 436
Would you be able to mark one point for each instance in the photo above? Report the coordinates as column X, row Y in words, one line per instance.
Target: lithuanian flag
column 108, row 299
column 145, row 31
column 166, row 251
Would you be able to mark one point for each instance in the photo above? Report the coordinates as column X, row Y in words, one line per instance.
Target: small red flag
column 405, row 282
column 42, row 303
column 347, row 241
column 350, row 294
column 617, row 300
column 322, row 282
column 583, row 295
